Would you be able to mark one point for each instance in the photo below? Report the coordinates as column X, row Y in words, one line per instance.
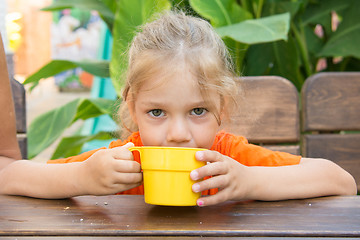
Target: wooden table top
column 129, row 216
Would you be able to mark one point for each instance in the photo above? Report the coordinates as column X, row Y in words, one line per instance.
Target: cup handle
column 138, row 149
column 134, row 149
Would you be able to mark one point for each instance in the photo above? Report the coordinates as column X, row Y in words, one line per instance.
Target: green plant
column 335, row 44
column 273, row 37
column 45, row 129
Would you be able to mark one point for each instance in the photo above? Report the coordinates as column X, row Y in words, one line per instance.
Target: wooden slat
column 129, row 216
column 167, row 238
column 342, row 149
column 331, row 101
column 268, row 110
column 293, row 149
column 18, row 93
column 19, row 99
column 22, row 141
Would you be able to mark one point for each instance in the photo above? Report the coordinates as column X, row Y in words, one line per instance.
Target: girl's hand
column 228, row 175
column 110, row 171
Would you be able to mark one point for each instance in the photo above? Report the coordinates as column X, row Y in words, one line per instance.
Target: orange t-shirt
column 236, row 147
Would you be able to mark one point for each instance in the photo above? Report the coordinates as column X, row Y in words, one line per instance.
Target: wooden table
column 117, row 217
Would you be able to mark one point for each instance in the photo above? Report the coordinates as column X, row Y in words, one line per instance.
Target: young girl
column 179, row 89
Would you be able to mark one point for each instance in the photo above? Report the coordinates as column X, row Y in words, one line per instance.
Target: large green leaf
column 287, row 65
column 320, row 13
column 220, row 12
column 267, row 29
column 269, row 59
column 316, row 12
column 89, row 108
column 277, row 6
column 46, row 128
column 106, row 8
column 96, row 67
column 313, row 42
column 259, row 59
column 280, row 57
column 93, row 107
column 344, row 42
column 129, row 16
column 71, row 146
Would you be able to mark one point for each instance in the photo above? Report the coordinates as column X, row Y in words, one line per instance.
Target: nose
column 178, row 131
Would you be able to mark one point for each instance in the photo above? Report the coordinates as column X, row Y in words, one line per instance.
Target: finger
column 213, row 199
column 219, row 182
column 127, row 166
column 129, row 178
column 209, row 156
column 122, row 152
column 130, row 186
column 212, row 169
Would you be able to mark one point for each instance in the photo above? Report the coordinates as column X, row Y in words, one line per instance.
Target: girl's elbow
column 350, row 187
column 336, row 180
column 346, row 182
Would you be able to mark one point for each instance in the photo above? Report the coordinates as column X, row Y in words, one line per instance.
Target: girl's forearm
column 40, row 180
column 5, row 161
column 311, row 178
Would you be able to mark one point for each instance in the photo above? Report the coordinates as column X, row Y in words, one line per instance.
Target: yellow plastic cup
column 166, row 174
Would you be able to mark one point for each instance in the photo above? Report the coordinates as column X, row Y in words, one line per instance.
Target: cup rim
column 172, row 148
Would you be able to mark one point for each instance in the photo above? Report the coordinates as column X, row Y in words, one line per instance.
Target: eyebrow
column 161, row 104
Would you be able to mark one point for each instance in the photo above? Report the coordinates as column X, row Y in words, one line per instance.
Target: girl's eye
column 156, row 113
column 198, row 111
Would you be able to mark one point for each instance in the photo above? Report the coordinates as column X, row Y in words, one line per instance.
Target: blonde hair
column 172, row 38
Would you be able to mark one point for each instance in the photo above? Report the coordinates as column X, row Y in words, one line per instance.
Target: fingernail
column 194, row 175
column 200, row 203
column 199, row 155
column 129, row 144
column 196, row 187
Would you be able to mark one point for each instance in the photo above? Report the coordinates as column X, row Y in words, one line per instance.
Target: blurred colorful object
column 13, row 27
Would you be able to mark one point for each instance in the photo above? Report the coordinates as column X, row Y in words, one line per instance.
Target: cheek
column 205, row 134
column 150, row 135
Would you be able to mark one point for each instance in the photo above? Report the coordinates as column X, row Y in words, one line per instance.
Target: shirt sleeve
column 78, row 158
column 135, row 138
column 238, row 148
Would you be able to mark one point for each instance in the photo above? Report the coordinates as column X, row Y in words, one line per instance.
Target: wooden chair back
column 19, row 98
column 331, row 119
column 268, row 113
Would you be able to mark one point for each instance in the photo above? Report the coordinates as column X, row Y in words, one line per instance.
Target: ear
column 223, row 107
column 131, row 107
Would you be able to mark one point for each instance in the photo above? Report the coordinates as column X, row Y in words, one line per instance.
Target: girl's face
column 172, row 112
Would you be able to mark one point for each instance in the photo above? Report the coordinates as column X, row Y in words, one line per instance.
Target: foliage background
column 289, row 38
